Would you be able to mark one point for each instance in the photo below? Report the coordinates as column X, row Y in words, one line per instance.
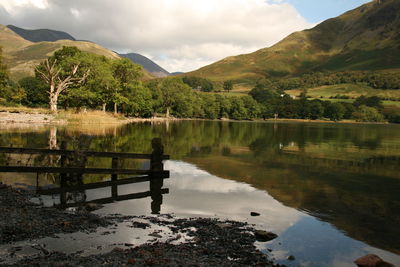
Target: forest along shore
column 207, row 242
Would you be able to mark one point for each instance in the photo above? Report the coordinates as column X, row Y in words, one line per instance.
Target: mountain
column 41, row 35
column 366, row 38
column 46, row 35
column 176, row 73
column 21, row 55
column 148, row 64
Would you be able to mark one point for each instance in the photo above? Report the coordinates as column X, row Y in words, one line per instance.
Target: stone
column 253, row 213
column 291, row 258
column 93, row 206
column 264, row 236
column 372, row 260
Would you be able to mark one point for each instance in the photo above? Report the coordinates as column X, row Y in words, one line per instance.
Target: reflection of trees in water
column 357, row 194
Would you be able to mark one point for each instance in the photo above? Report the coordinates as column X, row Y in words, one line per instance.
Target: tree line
column 274, row 103
column 376, row 80
column 75, row 79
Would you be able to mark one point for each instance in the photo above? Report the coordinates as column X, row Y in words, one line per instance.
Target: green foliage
column 198, row 83
column 238, row 109
column 139, row 100
column 372, row 101
column 368, row 114
column 35, row 89
column 335, row 111
column 316, row 110
column 10, row 92
column 392, row 114
column 210, row 106
column 228, row 85
column 125, row 71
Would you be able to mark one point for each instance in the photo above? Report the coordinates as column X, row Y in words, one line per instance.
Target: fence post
column 63, row 176
column 156, row 179
column 156, row 164
column 114, row 177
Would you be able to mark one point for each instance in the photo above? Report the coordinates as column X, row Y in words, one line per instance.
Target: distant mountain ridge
column 41, row 35
column 148, row 64
column 47, row 35
column 366, row 38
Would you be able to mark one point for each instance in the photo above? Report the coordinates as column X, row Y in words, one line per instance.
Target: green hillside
column 21, row 56
column 366, row 38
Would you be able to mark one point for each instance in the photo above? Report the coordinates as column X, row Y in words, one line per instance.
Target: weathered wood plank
column 112, row 199
column 20, row 150
column 58, row 190
column 79, row 170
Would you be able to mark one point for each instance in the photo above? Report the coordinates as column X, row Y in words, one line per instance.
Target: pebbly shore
column 207, row 242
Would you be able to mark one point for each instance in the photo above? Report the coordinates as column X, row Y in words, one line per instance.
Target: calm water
column 330, row 191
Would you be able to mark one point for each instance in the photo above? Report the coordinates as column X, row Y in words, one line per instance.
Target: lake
column 330, row 191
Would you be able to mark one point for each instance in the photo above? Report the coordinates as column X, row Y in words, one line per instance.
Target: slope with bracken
column 366, row 38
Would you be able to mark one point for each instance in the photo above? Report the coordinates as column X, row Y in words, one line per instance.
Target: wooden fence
column 155, row 174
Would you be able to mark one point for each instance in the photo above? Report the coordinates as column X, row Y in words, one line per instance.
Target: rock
column 253, row 213
column 155, row 235
column 223, row 225
column 140, row 225
column 131, row 261
column 372, row 260
column 264, row 236
column 93, row 206
column 291, row 258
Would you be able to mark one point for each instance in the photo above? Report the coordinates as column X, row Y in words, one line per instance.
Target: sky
column 179, row 35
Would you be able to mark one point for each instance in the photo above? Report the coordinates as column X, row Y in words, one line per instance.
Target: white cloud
column 12, row 5
column 180, row 35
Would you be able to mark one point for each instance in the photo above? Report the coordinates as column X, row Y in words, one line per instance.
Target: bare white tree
column 50, row 73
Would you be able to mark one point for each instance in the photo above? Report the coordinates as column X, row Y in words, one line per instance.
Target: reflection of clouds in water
column 187, row 176
column 194, row 192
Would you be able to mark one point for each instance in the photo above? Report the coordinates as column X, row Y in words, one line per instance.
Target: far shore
column 29, row 116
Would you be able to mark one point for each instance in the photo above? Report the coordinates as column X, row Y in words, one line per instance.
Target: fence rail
column 69, row 174
column 20, row 150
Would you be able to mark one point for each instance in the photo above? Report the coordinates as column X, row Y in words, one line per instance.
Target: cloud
column 180, row 35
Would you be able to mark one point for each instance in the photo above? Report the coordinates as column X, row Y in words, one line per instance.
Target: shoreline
column 170, row 241
column 28, row 117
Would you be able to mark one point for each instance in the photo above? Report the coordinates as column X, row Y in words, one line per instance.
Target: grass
column 93, row 117
column 350, row 90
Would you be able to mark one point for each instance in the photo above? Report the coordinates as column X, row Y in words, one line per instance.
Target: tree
column 335, row 111
column 238, row 110
column 101, row 79
column 198, row 83
column 125, row 72
column 140, row 100
column 316, row 109
column 176, row 97
column 368, row 114
column 60, row 72
column 228, row 85
column 35, row 91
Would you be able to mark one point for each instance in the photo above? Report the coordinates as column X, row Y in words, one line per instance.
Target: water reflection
column 74, row 194
column 328, row 174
